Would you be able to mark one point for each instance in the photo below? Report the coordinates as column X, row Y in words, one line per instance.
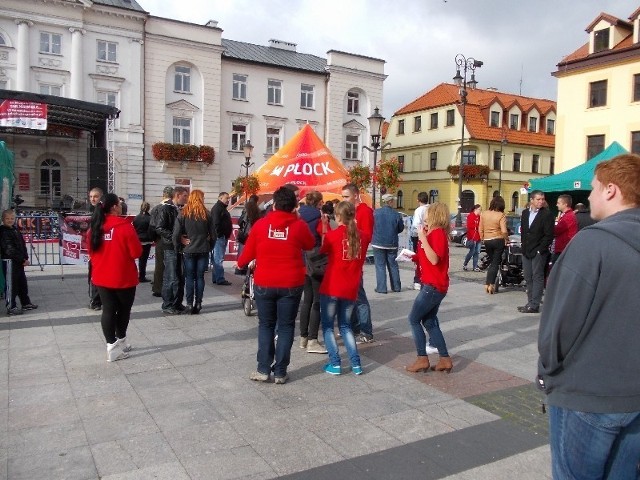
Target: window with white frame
column 468, row 157
column 533, row 124
column 306, row 96
column 351, row 147
column 49, row 89
column 551, row 126
column 238, row 136
column 182, row 79
column 273, row 139
column 50, row 178
column 353, row 102
column 182, row 130
column 239, row 86
column 495, row 118
column 451, row 119
column 514, row 121
column 50, row 43
column 107, row 98
column 274, row 92
column 535, row 163
column 107, row 51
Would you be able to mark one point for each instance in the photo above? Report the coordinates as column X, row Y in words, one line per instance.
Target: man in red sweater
column 567, row 226
column 361, row 317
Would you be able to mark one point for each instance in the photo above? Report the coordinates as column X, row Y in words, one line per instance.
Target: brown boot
column 444, row 365
column 420, row 365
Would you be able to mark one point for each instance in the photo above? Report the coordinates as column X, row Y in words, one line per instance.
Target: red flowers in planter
column 469, row 171
column 178, row 152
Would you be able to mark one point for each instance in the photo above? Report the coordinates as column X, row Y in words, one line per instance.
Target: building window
column 495, row 119
column 47, row 89
column 636, row 88
column 351, row 147
column 107, row 51
column 182, row 130
column 601, row 40
column 598, row 94
column 468, row 157
column 552, row 165
column 274, row 92
column 533, row 124
column 635, row 142
column 400, row 127
column 239, row 86
column 2, row 40
column 400, row 200
column 417, row 123
column 3, row 84
column 450, row 118
column 514, row 201
column 273, row 139
column 401, row 162
column 434, row 121
column 50, row 43
column 516, row 162
column 306, row 96
column 107, row 98
column 497, row 160
column 50, row 178
column 551, row 126
column 238, row 136
column 433, row 161
column 514, row 121
column 182, row 81
column 535, row 164
column 353, row 102
column 595, row 144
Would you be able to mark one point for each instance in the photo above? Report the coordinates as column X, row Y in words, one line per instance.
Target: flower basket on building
column 469, row 171
column 246, row 186
column 178, row 152
column 387, row 174
column 360, row 176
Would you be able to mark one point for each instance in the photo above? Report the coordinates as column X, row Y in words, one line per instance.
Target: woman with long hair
column 141, row 223
column 194, row 230
column 494, row 234
column 114, row 247
column 346, row 250
column 432, row 257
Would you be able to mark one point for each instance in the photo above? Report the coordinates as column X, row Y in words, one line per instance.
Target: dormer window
column 495, row 119
column 514, row 121
column 601, row 40
column 533, row 124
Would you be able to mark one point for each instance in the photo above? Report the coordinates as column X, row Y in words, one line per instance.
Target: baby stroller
column 510, row 272
column 248, row 301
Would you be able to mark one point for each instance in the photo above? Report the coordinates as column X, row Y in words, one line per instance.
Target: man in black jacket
column 158, row 272
column 223, row 227
column 173, row 278
column 537, row 235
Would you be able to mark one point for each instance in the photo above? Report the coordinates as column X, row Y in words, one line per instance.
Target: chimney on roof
column 491, row 89
column 211, row 23
column 282, row 45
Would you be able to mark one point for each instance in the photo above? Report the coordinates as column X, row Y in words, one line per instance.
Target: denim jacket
column 386, row 227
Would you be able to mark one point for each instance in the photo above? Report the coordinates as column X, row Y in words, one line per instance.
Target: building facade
column 599, row 92
column 504, row 141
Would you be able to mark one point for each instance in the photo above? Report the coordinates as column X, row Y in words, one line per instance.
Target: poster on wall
column 24, row 183
column 20, row 114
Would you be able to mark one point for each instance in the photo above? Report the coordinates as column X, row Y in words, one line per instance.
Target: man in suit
column 537, row 235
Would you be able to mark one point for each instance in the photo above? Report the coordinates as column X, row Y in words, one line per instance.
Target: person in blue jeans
column 346, row 250
column 223, row 228
column 589, row 363
column 193, row 229
column 473, row 238
column 387, row 224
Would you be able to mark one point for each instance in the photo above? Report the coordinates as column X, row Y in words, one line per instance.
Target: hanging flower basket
column 469, row 171
column 177, row 152
column 360, row 176
column 246, row 186
column 387, row 174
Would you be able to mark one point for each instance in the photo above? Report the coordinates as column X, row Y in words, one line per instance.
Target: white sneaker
column 416, row 286
column 114, row 352
column 126, row 347
column 431, row 350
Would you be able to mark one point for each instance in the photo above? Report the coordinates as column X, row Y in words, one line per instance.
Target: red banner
column 16, row 113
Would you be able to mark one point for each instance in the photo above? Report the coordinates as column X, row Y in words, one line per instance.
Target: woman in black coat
column 141, row 224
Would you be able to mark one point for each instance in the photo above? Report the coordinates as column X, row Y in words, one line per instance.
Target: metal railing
column 42, row 235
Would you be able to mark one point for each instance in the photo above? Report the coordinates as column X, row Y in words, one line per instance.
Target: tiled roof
column 249, row 52
column 385, row 128
column 126, row 4
column 477, row 112
column 608, row 18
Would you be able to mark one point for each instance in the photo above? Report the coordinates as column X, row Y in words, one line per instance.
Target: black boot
column 196, row 308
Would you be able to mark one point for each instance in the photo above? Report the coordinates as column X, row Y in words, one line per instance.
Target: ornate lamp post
column 248, row 150
column 375, row 127
column 465, row 65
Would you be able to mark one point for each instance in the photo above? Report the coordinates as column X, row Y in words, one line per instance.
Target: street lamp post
column 465, row 65
column 248, row 150
column 375, row 127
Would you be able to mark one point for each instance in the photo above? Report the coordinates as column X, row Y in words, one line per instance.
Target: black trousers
column 158, row 273
column 142, row 261
column 94, row 296
column 116, row 311
column 16, row 284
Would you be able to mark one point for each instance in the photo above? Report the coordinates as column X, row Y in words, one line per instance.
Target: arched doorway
column 467, row 201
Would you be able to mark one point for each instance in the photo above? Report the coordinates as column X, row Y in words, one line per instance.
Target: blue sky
column 519, row 41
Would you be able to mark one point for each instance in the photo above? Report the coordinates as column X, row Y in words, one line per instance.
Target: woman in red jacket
column 473, row 238
column 276, row 243
column 114, row 247
column 433, row 258
column 346, row 248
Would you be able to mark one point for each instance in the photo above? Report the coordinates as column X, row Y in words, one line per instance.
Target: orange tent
column 304, row 161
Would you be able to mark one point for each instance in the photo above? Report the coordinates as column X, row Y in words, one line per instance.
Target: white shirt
column 418, row 219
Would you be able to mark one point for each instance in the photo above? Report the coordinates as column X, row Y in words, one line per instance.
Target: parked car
column 513, row 224
column 459, row 234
